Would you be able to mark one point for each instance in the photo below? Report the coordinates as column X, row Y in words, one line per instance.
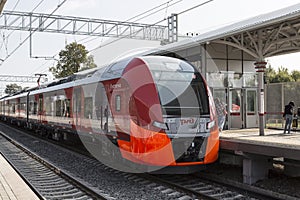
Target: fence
column 277, row 95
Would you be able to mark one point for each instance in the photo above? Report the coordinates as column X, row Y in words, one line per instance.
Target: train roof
column 94, row 75
column 88, row 76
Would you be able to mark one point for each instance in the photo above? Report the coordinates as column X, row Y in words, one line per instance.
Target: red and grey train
column 155, row 110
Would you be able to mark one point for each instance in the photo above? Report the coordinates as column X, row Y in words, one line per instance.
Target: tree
column 296, row 75
column 282, row 75
column 88, row 64
column 12, row 88
column 270, row 74
column 71, row 59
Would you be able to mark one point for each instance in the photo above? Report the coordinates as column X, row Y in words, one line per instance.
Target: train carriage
column 155, row 110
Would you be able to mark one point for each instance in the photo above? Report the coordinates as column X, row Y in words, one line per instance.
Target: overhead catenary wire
column 148, row 11
column 164, row 5
column 4, row 38
column 15, row 6
column 126, row 36
column 58, row 6
column 9, row 55
column 20, row 22
column 37, row 5
column 139, row 18
column 196, row 6
column 145, row 12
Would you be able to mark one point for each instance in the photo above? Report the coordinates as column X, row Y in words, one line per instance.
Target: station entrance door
column 250, row 107
column 241, row 107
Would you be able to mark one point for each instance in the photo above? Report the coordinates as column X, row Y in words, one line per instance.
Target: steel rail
column 86, row 191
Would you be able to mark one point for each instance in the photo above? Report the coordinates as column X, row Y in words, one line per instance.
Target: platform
column 274, row 143
column 256, row 152
column 12, row 186
column 272, row 137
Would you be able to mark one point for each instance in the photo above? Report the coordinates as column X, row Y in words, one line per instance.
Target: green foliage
column 88, row 64
column 71, row 59
column 296, row 75
column 270, row 74
column 282, row 75
column 12, row 88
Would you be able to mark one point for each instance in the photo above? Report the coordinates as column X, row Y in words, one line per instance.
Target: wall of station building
column 231, row 75
column 223, row 66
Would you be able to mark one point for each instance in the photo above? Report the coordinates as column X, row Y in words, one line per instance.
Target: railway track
column 201, row 186
column 183, row 187
column 199, row 189
column 46, row 180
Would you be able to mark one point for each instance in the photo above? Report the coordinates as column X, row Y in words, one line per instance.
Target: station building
column 233, row 59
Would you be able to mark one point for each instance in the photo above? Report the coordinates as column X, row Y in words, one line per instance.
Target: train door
column 250, row 107
column 235, row 114
column 77, row 107
column 40, row 106
column 102, row 108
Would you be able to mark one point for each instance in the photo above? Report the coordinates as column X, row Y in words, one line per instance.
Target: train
column 151, row 111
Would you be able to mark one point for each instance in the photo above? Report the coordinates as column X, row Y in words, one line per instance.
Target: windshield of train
column 181, row 89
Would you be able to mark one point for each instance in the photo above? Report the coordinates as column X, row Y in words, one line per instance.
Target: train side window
column 18, row 107
column 67, row 108
column 34, row 108
column 58, row 107
column 13, row 108
column 48, row 106
column 77, row 101
column 118, row 102
column 88, row 107
column 40, row 103
column 30, row 108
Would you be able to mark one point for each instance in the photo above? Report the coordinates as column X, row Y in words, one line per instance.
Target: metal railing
column 276, row 120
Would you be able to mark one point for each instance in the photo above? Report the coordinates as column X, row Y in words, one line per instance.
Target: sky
column 209, row 16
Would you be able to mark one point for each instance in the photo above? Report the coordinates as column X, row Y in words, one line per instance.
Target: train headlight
column 160, row 125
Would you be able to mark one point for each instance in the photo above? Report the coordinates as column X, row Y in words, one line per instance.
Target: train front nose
column 169, row 112
column 149, row 144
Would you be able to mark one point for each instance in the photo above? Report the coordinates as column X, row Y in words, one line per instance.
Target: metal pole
column 260, row 69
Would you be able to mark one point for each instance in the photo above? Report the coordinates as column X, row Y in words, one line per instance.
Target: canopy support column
column 260, row 69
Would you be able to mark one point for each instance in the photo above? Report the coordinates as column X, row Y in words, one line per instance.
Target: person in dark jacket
column 288, row 114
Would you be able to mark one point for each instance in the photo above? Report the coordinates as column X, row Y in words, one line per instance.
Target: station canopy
column 2, row 2
column 262, row 36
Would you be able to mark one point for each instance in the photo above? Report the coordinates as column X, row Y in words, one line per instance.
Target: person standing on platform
column 288, row 114
column 221, row 112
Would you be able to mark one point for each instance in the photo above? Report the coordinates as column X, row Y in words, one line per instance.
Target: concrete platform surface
column 12, row 186
column 255, row 152
column 274, row 138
